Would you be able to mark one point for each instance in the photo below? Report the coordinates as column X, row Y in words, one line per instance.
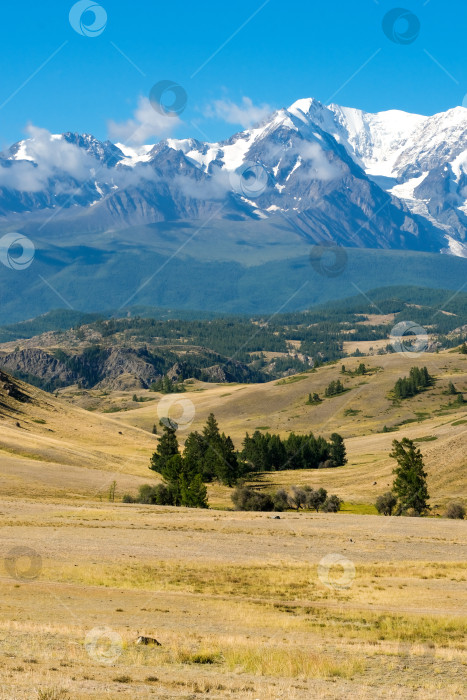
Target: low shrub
column 455, row 511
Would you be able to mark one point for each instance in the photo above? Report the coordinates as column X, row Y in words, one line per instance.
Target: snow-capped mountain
column 420, row 160
column 386, row 180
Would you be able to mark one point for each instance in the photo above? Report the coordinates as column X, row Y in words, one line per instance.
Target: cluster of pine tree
column 266, row 452
column 418, row 380
column 334, row 388
column 210, row 455
column 207, row 456
column 361, row 369
column 166, row 386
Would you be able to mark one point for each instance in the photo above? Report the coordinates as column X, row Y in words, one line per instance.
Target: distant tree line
column 265, row 452
column 165, row 385
column 360, row 370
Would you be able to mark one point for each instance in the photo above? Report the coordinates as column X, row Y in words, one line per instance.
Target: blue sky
column 284, row 52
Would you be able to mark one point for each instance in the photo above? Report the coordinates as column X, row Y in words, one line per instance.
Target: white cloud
column 44, row 157
column 51, row 155
column 317, row 165
column 146, row 124
column 212, row 187
column 246, row 114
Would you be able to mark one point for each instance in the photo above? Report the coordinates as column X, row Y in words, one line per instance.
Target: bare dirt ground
column 243, row 605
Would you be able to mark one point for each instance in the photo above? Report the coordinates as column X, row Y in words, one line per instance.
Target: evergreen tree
column 227, row 469
column 212, row 448
column 186, row 489
column 173, row 473
column 195, row 449
column 463, row 349
column 277, row 455
column 313, row 399
column 410, row 483
column 337, row 451
column 211, row 429
column 193, row 493
column 452, row 389
column 167, row 448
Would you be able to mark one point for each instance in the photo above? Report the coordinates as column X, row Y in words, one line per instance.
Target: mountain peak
column 306, row 105
column 323, row 163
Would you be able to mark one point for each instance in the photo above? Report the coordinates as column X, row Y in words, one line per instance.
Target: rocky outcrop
column 116, row 369
column 38, row 363
column 230, row 372
column 127, row 369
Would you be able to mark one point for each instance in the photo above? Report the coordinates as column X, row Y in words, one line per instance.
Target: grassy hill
column 60, row 448
column 51, row 449
column 359, row 414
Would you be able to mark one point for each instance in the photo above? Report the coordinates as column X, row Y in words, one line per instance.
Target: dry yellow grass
column 242, row 604
column 92, row 449
column 238, row 602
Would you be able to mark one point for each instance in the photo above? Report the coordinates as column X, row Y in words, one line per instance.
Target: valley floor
column 243, row 605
